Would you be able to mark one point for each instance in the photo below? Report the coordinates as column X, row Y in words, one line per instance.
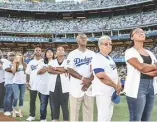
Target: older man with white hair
column 106, row 81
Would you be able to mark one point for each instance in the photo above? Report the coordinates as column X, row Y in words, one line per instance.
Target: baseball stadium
column 93, row 39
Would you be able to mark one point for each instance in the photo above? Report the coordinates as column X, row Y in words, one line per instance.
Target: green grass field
column 120, row 111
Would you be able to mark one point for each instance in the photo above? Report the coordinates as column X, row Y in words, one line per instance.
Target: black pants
column 33, row 96
column 2, row 93
column 57, row 99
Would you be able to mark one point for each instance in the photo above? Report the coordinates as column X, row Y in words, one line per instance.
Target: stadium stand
column 78, row 25
column 45, row 6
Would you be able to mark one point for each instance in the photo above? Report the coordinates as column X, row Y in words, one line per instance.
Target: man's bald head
column 82, row 39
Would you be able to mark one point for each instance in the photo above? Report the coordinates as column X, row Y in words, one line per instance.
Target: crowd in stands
column 77, row 25
column 45, row 6
column 152, row 48
column 118, row 52
column 122, row 71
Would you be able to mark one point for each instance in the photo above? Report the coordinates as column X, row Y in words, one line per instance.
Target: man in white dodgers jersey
column 32, row 81
column 105, row 79
column 79, row 67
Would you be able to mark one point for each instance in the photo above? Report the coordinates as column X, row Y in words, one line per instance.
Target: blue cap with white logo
column 115, row 98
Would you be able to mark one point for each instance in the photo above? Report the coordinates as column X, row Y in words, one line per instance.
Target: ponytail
column 132, row 44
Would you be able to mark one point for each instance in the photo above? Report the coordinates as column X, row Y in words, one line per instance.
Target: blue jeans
column 8, row 98
column 140, row 108
column 43, row 105
column 18, row 93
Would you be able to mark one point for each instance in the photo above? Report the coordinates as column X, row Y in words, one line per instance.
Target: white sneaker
column 1, row 110
column 7, row 113
column 54, row 120
column 30, row 118
column 43, row 120
column 16, row 112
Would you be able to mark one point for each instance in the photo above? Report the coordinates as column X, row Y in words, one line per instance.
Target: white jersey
column 20, row 77
column 63, row 77
column 8, row 75
column 2, row 73
column 104, row 64
column 81, row 63
column 132, row 81
column 32, row 71
column 44, row 79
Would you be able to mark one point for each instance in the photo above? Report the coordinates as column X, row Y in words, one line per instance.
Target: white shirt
column 2, row 74
column 110, row 69
column 20, row 77
column 44, row 79
column 8, row 76
column 81, row 63
column 133, row 75
column 64, row 78
column 32, row 71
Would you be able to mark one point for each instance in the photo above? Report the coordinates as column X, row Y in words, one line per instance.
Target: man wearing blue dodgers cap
column 106, row 86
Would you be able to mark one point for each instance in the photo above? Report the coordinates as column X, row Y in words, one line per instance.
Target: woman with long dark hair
column 19, row 82
column 44, row 79
column 140, row 85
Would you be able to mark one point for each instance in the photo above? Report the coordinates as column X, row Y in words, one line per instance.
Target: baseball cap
column 115, row 98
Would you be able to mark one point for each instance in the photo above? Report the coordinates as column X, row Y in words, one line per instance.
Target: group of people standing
column 78, row 79
column 13, row 80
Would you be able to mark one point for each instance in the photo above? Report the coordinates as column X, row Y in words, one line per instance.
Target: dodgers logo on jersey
column 34, row 67
column 79, row 62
